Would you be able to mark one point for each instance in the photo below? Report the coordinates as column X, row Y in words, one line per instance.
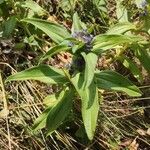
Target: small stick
column 6, row 109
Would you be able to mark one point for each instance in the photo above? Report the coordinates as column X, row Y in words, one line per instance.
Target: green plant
column 81, row 75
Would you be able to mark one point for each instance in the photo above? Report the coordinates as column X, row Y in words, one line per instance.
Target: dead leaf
column 148, row 131
column 4, row 113
column 134, row 145
column 126, row 143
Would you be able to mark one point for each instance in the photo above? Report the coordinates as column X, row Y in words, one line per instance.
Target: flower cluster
column 78, row 62
column 84, row 37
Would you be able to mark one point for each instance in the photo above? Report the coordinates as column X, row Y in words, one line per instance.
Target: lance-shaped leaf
column 40, row 122
column 104, row 42
column 77, row 24
column 121, row 27
column 50, row 101
column 59, row 111
column 121, row 11
column 90, row 64
column 90, row 104
column 110, row 80
column 54, row 50
column 55, row 31
column 43, row 73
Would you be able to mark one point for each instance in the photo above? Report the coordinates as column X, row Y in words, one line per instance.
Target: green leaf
column 100, row 4
column 40, row 122
column 67, row 5
column 77, row 47
column 121, row 28
column 90, row 103
column 144, row 58
column 104, row 42
column 77, row 24
column 59, row 111
column 90, row 64
column 110, row 80
column 9, row 26
column 50, row 100
column 121, row 11
column 55, row 31
column 33, row 6
column 132, row 67
column 41, row 73
column 54, row 50
column 1, row 1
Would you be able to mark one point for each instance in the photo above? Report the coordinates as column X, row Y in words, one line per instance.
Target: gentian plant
column 80, row 79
